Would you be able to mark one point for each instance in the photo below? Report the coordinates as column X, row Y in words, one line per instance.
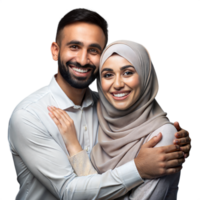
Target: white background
column 29, row 34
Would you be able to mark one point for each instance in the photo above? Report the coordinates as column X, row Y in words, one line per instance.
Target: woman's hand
column 67, row 129
column 183, row 140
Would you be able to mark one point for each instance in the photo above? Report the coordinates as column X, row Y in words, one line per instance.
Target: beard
column 76, row 82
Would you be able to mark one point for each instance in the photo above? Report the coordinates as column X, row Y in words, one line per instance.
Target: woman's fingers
column 55, row 119
column 65, row 115
column 62, row 113
column 58, row 115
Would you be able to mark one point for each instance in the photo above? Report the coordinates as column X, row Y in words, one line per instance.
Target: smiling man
column 39, row 153
column 78, row 56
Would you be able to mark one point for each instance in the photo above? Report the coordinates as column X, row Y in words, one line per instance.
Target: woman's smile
column 120, row 95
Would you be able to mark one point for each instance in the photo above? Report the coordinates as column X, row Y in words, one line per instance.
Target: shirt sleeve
column 161, row 188
column 46, row 160
column 81, row 164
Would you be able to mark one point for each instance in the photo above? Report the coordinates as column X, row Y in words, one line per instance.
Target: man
column 39, row 153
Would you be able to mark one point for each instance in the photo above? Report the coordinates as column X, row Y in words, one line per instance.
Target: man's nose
column 118, row 82
column 83, row 58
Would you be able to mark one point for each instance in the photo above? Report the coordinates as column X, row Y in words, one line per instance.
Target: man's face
column 80, row 49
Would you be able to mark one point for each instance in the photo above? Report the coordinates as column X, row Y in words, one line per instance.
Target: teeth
column 80, row 70
column 120, row 94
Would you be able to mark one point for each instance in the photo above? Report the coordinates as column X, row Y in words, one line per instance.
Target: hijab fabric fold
column 122, row 132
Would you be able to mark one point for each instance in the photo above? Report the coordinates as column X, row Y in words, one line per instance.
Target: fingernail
column 49, row 107
column 176, row 141
column 50, row 114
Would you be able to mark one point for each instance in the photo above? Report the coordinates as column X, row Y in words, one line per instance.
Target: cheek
column 105, row 84
column 133, row 82
column 68, row 55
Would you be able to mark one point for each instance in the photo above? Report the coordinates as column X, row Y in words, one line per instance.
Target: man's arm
column 165, row 160
column 183, row 140
column 162, row 161
column 49, row 164
column 156, row 162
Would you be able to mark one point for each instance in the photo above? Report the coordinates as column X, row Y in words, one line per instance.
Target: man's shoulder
column 32, row 99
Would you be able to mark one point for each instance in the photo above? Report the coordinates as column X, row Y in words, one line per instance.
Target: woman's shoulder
column 168, row 131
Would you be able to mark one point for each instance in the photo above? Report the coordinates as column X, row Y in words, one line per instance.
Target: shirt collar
column 62, row 99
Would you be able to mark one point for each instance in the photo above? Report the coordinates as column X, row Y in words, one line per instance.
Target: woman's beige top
column 81, row 164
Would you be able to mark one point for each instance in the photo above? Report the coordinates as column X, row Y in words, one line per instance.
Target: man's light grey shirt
column 41, row 158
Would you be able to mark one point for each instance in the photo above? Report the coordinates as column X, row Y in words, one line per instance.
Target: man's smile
column 79, row 71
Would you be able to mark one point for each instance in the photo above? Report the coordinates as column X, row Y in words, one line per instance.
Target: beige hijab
column 122, row 132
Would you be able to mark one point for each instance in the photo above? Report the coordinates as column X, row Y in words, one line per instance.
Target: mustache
column 79, row 65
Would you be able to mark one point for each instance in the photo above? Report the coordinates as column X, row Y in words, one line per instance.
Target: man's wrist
column 139, row 168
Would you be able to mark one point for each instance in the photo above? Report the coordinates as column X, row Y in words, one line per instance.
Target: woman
column 129, row 116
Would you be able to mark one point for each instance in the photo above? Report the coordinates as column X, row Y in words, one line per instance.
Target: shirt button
column 85, row 128
column 86, row 149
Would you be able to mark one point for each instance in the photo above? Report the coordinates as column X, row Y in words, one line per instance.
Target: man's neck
column 76, row 95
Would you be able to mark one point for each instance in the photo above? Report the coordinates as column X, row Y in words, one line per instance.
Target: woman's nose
column 118, row 83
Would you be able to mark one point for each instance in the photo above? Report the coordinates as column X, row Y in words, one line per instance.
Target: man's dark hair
column 82, row 15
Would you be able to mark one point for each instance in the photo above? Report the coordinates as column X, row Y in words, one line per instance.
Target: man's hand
column 160, row 161
column 183, row 140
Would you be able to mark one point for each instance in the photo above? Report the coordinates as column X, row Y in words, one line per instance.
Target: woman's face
column 120, row 82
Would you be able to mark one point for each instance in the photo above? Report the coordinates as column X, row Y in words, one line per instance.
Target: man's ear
column 55, row 50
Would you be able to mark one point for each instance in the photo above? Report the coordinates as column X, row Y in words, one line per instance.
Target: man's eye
column 93, row 51
column 74, row 47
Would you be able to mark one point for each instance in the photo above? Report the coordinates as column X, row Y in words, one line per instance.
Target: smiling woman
column 129, row 116
column 120, row 82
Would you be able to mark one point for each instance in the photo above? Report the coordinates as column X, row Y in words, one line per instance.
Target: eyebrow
column 122, row 68
column 95, row 45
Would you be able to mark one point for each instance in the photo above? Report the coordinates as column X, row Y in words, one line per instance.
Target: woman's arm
column 78, row 158
column 81, row 164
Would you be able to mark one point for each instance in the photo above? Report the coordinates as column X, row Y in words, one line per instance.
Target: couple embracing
column 68, row 142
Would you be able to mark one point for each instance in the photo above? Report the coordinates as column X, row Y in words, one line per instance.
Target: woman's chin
column 121, row 106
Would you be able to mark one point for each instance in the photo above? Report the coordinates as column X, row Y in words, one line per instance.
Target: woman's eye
column 128, row 73
column 107, row 75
